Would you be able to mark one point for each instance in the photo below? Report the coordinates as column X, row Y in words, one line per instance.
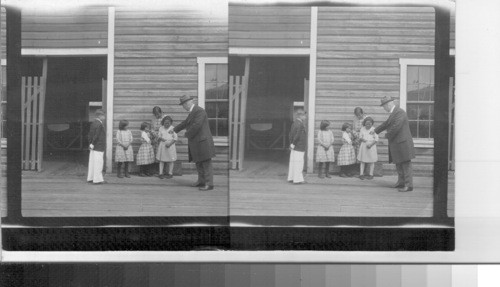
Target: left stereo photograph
column 114, row 116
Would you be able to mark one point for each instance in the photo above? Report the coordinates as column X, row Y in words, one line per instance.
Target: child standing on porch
column 146, row 154
column 346, row 157
column 124, row 152
column 167, row 153
column 324, row 152
column 368, row 149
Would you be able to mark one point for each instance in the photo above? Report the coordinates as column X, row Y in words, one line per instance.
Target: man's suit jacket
column 97, row 135
column 401, row 146
column 200, row 142
column 298, row 135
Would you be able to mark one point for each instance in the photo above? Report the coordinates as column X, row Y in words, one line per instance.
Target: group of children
column 164, row 140
column 356, row 147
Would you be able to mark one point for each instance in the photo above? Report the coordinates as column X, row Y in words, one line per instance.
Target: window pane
column 424, row 75
column 222, row 128
column 211, row 109
column 222, row 91
column 222, row 73
column 413, row 129
column 213, row 126
column 412, row 91
column 423, row 129
column 423, row 112
column 211, row 90
column 425, row 92
column 431, row 112
column 412, row 111
column 210, row 73
column 223, row 110
column 412, row 73
column 432, row 75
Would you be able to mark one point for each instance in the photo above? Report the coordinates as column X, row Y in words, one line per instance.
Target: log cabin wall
column 79, row 28
column 269, row 27
column 3, row 141
column 358, row 56
column 156, row 63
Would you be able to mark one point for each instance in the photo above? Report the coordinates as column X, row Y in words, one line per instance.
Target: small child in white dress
column 167, row 153
column 367, row 154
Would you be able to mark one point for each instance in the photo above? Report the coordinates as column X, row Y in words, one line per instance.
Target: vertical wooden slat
column 262, row 275
column 232, row 96
column 27, row 140
column 413, row 275
column 23, row 118
column 41, row 129
column 236, row 130
column 439, row 276
column 451, row 129
column 34, row 128
column 212, row 275
column 237, row 275
column 161, row 275
column 187, row 275
column 338, row 275
column 363, row 275
column 243, row 112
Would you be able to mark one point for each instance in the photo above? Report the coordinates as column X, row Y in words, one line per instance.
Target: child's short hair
column 122, row 125
column 358, row 111
column 144, row 125
column 368, row 119
column 324, row 124
column 156, row 110
column 345, row 126
column 166, row 118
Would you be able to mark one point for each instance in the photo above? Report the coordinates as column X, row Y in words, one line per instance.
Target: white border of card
column 477, row 215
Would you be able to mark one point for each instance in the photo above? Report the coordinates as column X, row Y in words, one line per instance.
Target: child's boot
column 126, row 170
column 327, row 170
column 320, row 169
column 119, row 170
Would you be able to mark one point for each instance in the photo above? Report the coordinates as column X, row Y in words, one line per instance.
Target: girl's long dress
column 346, row 154
column 366, row 154
column 146, row 154
column 325, row 138
column 357, row 125
column 155, row 128
column 163, row 153
column 125, row 138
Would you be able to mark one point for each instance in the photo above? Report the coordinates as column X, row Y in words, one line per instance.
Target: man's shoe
column 405, row 189
column 206, row 187
column 398, row 185
column 369, row 177
column 361, row 177
column 197, row 184
column 169, row 176
column 102, row 182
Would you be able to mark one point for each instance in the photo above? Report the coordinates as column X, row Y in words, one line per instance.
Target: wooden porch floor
column 45, row 195
column 273, row 196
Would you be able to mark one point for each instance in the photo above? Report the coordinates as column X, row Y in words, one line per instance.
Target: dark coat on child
column 298, row 135
column 97, row 135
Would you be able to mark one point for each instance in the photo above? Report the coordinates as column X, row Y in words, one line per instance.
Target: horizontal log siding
column 358, row 63
column 269, row 27
column 3, row 34
column 79, row 28
column 156, row 63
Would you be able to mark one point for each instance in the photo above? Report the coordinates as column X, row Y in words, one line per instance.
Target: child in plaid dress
column 324, row 152
column 346, row 157
column 124, row 152
column 368, row 149
column 167, row 153
column 146, row 154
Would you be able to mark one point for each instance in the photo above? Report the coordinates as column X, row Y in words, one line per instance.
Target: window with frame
column 213, row 95
column 417, row 97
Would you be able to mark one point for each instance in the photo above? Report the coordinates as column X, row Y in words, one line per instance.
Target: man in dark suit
column 298, row 141
column 201, row 147
column 401, row 149
column 97, row 140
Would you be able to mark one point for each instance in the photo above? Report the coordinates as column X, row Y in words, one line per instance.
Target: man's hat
column 184, row 99
column 99, row 112
column 385, row 100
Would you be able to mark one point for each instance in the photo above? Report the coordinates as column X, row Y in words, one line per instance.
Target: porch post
column 311, row 105
column 441, row 115
column 110, row 88
column 14, row 121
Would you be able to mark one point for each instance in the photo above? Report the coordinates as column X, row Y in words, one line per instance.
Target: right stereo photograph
column 342, row 126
